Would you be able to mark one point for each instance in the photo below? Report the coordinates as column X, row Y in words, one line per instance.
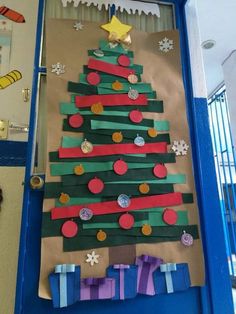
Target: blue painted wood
column 13, row 154
column 214, row 298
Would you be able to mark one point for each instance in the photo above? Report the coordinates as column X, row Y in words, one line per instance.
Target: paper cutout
column 97, row 52
column 160, row 171
column 96, row 186
column 78, row 26
column 112, row 149
column 180, row 148
column 92, row 258
column 65, row 285
column 116, row 27
column 139, row 141
column 179, row 280
column 12, row 15
column 120, row 167
column 136, row 116
column 10, row 78
column 127, row 5
column 76, row 121
column 85, row 148
column 170, row 216
column 168, row 269
column 186, row 239
column 110, row 100
column 69, row 229
column 123, row 60
column 64, row 198
column 58, row 68
column 85, row 214
column 166, row 44
column 97, row 288
column 138, row 203
column 125, row 280
column 132, row 78
column 97, row 108
column 123, row 201
column 93, row 78
column 109, row 68
column 146, row 267
column 101, row 235
column 126, row 221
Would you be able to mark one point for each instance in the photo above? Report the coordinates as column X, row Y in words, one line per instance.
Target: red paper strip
column 103, row 208
column 109, row 68
column 114, row 149
column 110, row 100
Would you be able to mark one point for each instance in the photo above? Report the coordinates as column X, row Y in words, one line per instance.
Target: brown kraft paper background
column 163, row 71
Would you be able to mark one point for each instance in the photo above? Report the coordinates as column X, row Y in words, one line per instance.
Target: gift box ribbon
column 94, row 284
column 63, row 269
column 167, row 269
column 149, row 264
column 122, row 268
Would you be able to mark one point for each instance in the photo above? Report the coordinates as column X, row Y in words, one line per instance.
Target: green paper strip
column 111, row 59
column 143, row 175
column 158, row 125
column 163, row 158
column 83, row 191
column 107, row 139
column 66, row 168
column 153, row 219
column 111, row 53
column 142, row 88
column 163, row 234
column 107, row 78
column 104, row 45
column 105, row 91
column 81, row 88
column 153, row 106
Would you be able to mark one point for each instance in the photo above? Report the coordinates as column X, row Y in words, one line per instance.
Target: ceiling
column 217, row 21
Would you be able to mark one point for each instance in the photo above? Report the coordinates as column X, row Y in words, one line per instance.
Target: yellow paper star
column 117, row 28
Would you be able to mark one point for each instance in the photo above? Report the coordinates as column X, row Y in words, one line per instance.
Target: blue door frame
column 215, row 297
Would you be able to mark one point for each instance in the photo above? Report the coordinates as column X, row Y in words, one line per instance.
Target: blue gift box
column 125, row 280
column 171, row 278
column 65, row 285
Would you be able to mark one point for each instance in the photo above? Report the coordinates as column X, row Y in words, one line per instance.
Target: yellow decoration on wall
column 116, row 28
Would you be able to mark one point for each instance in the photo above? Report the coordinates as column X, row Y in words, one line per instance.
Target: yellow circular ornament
column 79, row 170
column 146, row 230
column 97, row 108
column 64, row 198
column 101, row 235
column 144, row 188
column 117, row 85
column 152, row 132
column 117, row 137
column 86, row 147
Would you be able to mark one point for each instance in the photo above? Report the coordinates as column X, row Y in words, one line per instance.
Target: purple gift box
column 146, row 267
column 97, row 288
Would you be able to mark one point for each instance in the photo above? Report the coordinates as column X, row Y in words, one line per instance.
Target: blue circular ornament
column 123, row 200
column 139, row 141
column 85, row 214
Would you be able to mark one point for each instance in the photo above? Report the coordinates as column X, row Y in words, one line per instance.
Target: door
column 214, row 297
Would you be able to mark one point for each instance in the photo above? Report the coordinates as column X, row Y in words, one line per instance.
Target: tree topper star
column 117, row 28
column 92, row 258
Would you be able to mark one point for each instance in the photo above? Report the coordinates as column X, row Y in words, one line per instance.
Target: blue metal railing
column 225, row 162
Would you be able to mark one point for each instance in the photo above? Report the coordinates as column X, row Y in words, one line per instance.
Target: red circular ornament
column 124, row 60
column 93, row 78
column 170, row 216
column 76, row 120
column 69, row 229
column 96, row 186
column 160, row 171
column 120, row 167
column 136, row 116
column 126, row 221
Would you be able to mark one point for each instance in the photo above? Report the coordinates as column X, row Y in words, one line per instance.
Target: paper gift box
column 146, row 267
column 65, row 285
column 97, row 288
column 125, row 280
column 171, row 278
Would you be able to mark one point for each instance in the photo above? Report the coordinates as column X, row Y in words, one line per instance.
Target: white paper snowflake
column 58, row 68
column 166, row 44
column 92, row 258
column 78, row 26
column 180, row 148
